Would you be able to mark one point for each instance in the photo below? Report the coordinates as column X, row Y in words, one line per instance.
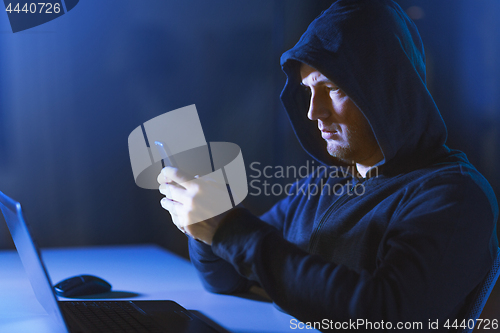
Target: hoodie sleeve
column 219, row 276
column 216, row 274
column 437, row 249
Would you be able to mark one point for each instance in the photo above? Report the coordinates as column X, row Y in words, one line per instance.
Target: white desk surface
column 149, row 271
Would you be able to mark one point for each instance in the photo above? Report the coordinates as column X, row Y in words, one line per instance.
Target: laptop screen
column 31, row 258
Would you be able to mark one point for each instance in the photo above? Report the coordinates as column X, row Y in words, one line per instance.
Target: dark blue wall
column 73, row 89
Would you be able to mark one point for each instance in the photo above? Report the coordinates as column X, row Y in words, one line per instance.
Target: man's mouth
column 327, row 134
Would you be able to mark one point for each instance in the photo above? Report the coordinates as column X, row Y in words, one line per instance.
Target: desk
column 139, row 272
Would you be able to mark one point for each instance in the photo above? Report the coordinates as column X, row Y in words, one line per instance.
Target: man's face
column 348, row 134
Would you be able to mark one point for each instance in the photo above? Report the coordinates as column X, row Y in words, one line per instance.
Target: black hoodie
column 409, row 244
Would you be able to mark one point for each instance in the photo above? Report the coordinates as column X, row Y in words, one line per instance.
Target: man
column 414, row 245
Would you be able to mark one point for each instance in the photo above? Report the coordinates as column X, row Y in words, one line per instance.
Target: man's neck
column 367, row 164
column 363, row 169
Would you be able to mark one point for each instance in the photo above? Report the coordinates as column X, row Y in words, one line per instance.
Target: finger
column 177, row 194
column 164, row 189
column 176, row 175
column 167, row 189
column 172, row 206
column 161, row 179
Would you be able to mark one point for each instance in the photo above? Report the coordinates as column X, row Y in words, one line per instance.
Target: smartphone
column 165, row 160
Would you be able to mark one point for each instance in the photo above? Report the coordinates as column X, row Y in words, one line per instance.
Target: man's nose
column 318, row 107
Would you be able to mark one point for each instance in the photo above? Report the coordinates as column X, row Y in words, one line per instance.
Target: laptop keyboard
column 109, row 317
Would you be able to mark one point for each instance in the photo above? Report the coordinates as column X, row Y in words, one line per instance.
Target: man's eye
column 306, row 89
column 334, row 89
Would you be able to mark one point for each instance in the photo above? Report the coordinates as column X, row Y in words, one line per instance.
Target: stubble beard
column 343, row 151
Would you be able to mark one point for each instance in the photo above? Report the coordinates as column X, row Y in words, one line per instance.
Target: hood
column 373, row 52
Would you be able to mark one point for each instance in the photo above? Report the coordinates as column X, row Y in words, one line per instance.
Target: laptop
column 93, row 316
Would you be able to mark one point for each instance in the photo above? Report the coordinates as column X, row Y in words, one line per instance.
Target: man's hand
column 190, row 202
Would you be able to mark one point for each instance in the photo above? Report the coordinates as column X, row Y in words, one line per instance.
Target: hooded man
column 421, row 236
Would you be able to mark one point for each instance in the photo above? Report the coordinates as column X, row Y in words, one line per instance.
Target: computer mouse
column 82, row 285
